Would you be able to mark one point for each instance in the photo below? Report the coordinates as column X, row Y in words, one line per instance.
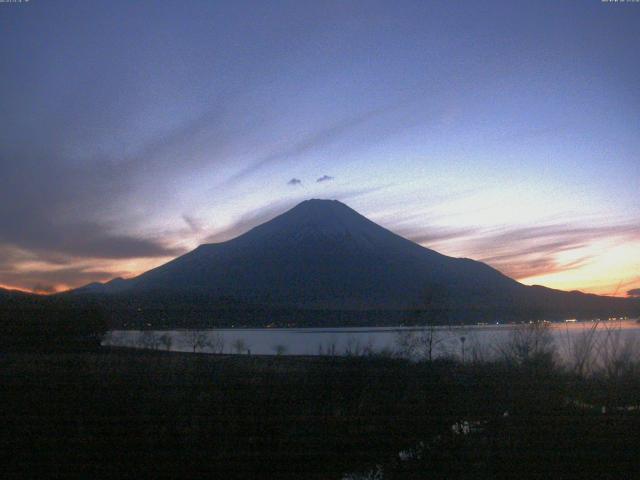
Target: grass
column 119, row 413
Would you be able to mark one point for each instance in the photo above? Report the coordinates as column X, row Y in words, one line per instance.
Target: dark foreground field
column 155, row 414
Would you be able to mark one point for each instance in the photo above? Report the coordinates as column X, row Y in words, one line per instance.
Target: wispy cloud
column 82, row 239
column 312, row 141
column 534, row 251
column 355, row 193
column 250, row 220
column 193, row 223
column 62, row 209
column 294, row 181
column 526, row 251
column 46, row 279
column 324, row 178
column 437, row 234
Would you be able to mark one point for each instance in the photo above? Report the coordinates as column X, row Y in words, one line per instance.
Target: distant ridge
column 4, row 292
column 112, row 286
column 322, row 256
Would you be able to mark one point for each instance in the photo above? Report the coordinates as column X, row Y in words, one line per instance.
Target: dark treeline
column 175, row 309
column 191, row 310
column 130, row 414
column 39, row 323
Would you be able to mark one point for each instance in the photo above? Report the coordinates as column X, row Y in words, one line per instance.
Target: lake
column 481, row 341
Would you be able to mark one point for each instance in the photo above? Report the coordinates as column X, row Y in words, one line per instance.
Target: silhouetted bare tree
column 216, row 342
column 166, row 340
column 239, row 345
column 421, row 344
column 197, row 340
column 529, row 343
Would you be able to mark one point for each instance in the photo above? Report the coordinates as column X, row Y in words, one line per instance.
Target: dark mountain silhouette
column 30, row 322
column 322, row 256
column 6, row 293
column 112, row 286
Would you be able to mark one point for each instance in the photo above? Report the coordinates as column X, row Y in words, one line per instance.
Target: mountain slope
column 323, row 255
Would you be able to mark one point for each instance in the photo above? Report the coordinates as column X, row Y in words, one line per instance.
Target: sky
column 507, row 132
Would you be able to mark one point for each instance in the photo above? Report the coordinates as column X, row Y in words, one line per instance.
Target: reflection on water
column 471, row 342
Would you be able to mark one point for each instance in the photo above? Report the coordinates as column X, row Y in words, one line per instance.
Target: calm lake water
column 482, row 341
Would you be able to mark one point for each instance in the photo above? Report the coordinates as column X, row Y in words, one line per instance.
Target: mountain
column 323, row 256
column 112, row 286
column 6, row 294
